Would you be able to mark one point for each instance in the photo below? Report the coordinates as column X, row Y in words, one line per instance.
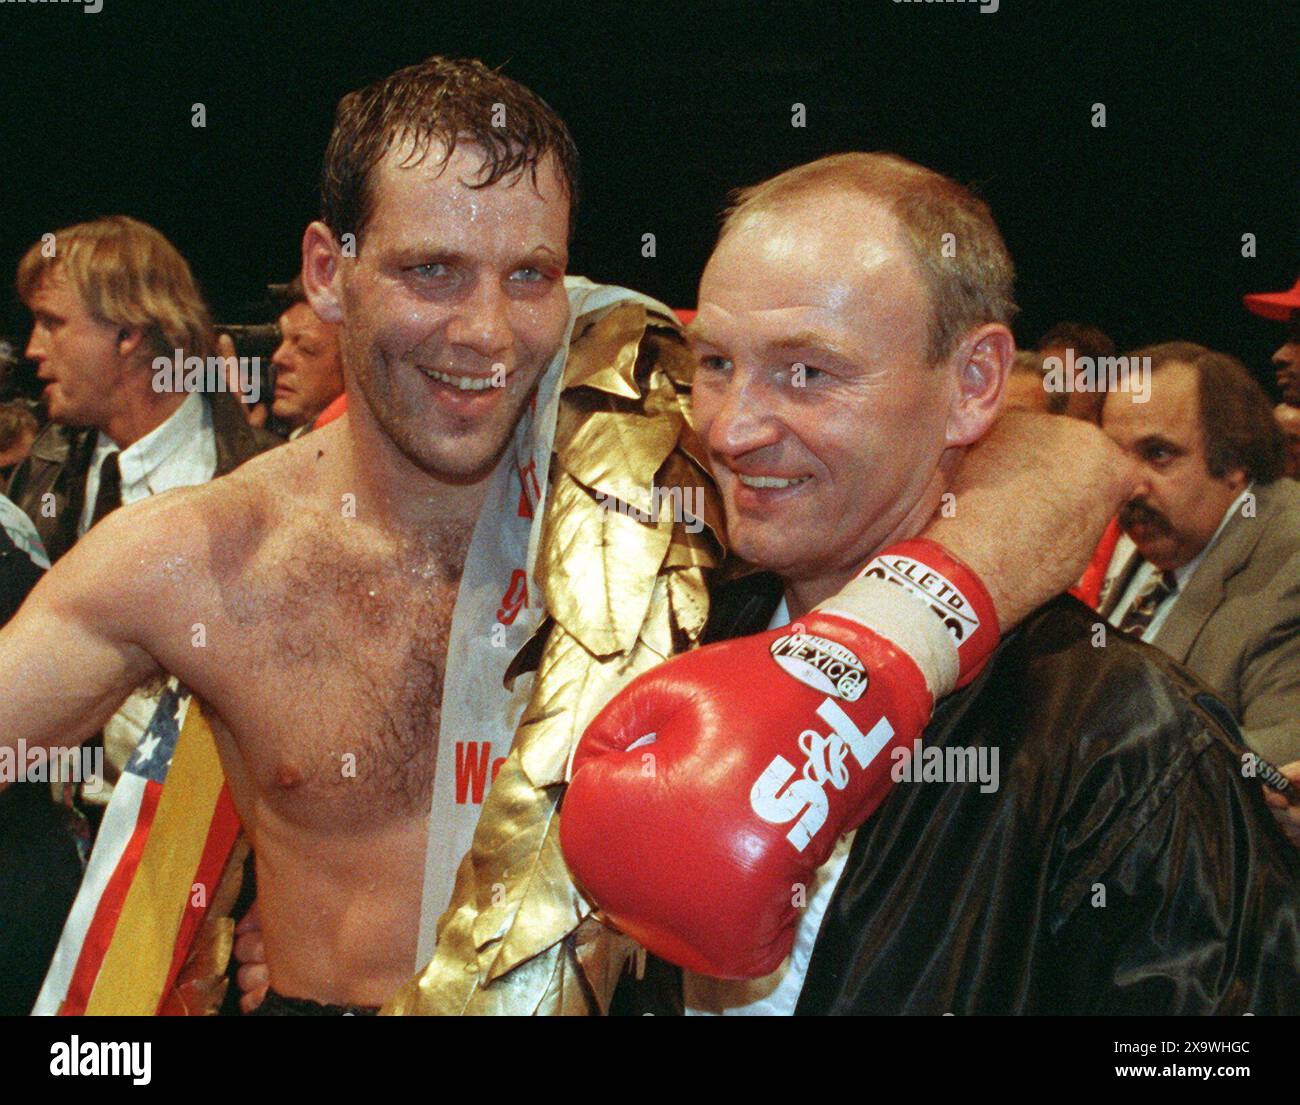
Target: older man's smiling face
column 822, row 419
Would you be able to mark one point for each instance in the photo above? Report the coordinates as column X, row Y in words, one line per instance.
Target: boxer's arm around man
column 1030, row 502
column 84, row 638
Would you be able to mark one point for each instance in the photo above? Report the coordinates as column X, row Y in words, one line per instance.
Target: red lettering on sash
column 515, row 598
column 529, row 490
column 472, row 759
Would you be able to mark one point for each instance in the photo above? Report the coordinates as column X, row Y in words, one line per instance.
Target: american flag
column 163, row 842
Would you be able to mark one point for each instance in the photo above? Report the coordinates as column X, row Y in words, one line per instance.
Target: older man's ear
column 979, row 367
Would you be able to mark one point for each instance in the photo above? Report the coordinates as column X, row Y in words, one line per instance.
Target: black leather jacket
column 60, row 459
column 1124, row 865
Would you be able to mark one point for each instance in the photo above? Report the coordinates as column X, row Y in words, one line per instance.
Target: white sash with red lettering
column 497, row 610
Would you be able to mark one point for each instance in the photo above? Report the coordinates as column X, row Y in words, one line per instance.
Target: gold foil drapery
column 623, row 581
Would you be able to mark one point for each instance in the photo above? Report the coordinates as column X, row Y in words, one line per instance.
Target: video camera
column 260, row 340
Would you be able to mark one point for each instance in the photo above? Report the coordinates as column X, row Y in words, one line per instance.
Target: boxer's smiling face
column 823, row 421
column 454, row 304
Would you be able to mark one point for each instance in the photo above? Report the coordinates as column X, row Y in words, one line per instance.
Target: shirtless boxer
column 325, row 573
column 326, row 627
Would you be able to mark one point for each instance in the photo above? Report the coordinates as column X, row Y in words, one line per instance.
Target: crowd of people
column 391, row 700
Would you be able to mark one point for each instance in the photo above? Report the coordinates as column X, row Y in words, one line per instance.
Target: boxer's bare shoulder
column 327, row 638
column 315, row 635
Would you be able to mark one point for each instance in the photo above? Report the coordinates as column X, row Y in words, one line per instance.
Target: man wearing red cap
column 1283, row 307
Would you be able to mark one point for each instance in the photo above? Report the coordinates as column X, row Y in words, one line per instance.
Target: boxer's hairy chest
column 326, row 690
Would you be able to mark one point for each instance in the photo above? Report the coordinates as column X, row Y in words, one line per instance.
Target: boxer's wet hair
column 973, row 286
column 440, row 102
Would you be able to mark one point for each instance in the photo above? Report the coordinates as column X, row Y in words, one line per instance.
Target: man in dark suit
column 1074, row 834
column 1209, row 571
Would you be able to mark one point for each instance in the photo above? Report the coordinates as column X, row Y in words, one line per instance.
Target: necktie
column 109, row 496
column 1158, row 588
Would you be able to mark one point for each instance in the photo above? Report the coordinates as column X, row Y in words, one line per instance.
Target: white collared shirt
column 776, row 994
column 182, row 452
column 1125, row 548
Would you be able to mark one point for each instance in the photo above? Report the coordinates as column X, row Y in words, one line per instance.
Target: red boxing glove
column 708, row 791
column 926, row 569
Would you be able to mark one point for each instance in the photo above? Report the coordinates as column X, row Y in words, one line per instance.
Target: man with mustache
column 1209, row 570
column 1111, row 859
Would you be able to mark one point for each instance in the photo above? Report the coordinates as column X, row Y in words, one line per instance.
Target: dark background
column 1137, row 227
